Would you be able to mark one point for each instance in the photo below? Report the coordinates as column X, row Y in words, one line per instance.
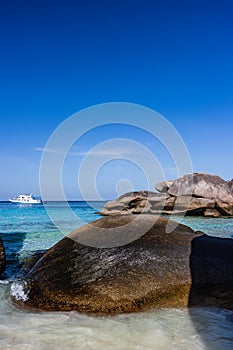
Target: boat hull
column 21, row 202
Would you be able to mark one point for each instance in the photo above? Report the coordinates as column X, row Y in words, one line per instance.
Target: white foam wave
column 18, row 290
column 4, row 281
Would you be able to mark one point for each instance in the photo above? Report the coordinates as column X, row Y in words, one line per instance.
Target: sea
column 26, row 230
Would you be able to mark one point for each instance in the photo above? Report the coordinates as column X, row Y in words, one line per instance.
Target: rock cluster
column 192, row 194
column 157, row 269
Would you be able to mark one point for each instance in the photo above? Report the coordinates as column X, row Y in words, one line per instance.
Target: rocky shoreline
column 129, row 263
column 196, row 194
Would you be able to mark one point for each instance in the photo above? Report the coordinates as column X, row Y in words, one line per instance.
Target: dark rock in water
column 211, row 264
column 2, row 257
column 192, row 194
column 152, row 271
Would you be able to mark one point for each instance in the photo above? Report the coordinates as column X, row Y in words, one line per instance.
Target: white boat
column 25, row 199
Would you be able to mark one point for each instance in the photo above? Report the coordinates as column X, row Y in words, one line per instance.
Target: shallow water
column 219, row 227
column 29, row 229
column 163, row 330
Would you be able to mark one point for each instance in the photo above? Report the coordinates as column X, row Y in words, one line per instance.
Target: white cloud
column 103, row 152
column 48, row 150
column 95, row 153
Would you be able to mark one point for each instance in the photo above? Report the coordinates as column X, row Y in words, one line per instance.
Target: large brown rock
column 157, row 269
column 2, row 257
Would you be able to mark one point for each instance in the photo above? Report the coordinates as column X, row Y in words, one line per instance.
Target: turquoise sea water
column 26, row 229
column 29, row 229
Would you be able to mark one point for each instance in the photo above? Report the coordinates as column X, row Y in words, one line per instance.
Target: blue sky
column 58, row 57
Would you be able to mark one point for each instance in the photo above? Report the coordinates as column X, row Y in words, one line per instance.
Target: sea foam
column 18, row 290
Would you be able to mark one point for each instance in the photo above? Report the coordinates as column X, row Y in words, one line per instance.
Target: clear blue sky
column 58, row 57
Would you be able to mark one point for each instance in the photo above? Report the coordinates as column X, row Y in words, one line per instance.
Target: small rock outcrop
column 192, row 194
column 2, row 257
column 157, row 269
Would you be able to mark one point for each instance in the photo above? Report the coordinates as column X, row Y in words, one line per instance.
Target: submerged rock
column 192, row 194
column 157, row 269
column 2, row 257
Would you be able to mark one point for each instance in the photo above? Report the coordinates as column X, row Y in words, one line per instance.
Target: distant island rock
column 157, row 269
column 2, row 257
column 196, row 194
